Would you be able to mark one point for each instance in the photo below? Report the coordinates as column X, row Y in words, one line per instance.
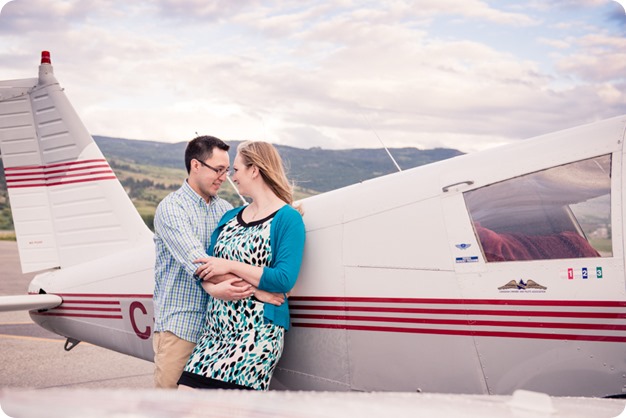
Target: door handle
column 447, row 188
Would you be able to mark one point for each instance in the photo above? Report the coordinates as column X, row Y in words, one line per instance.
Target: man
column 183, row 224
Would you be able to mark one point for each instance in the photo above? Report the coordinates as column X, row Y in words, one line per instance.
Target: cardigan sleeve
column 287, row 242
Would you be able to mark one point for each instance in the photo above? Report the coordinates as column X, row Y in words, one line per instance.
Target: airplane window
column 561, row 212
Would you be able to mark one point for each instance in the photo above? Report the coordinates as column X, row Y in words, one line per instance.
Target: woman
column 262, row 244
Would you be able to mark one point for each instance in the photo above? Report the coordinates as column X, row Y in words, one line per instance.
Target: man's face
column 206, row 177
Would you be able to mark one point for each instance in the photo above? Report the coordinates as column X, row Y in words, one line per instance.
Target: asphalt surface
column 34, row 358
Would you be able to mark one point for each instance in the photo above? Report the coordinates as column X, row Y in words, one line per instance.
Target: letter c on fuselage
column 144, row 335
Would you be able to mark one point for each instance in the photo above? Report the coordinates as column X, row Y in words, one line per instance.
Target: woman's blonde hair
column 266, row 158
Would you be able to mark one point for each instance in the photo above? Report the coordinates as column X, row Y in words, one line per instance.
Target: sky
column 463, row 74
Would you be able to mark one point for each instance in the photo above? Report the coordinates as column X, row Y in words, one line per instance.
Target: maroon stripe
column 46, row 177
column 607, row 315
column 545, row 325
column 588, row 303
column 66, row 308
column 42, row 172
column 91, row 302
column 78, row 315
column 34, row 167
column 104, row 295
column 467, row 332
column 60, row 182
column 15, row 175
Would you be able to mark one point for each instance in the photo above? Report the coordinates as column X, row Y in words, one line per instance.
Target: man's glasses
column 219, row 171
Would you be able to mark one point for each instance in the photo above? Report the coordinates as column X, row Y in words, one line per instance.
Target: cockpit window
column 558, row 213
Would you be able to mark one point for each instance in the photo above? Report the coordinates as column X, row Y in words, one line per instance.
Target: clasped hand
column 211, row 266
column 233, row 288
column 218, row 282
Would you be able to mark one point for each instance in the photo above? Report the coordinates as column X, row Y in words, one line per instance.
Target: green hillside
column 316, row 169
column 150, row 170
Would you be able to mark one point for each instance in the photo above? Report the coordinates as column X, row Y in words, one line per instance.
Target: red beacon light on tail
column 45, row 57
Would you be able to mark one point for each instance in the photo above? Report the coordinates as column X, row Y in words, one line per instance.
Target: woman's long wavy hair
column 265, row 157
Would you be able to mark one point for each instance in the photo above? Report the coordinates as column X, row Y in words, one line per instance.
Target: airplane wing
column 28, row 302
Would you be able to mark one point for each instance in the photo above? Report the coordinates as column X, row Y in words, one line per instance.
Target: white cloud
column 309, row 74
column 600, row 58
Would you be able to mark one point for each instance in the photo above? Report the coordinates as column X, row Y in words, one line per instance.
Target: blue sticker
column 470, row 259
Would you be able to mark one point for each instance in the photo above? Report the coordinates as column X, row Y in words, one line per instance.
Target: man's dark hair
column 201, row 149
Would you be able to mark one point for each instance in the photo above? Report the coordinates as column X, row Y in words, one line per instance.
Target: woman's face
column 242, row 176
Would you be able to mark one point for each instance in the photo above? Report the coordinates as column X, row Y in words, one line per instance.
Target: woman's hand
column 211, row 266
column 230, row 289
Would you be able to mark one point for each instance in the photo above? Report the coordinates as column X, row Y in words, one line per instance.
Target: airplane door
column 466, row 256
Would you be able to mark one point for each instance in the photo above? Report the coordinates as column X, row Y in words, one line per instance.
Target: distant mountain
column 316, row 169
column 148, row 170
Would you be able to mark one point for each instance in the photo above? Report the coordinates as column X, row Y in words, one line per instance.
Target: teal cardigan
column 287, row 244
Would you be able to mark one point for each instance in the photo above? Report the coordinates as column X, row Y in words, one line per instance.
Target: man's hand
column 222, row 277
column 230, row 289
column 272, row 298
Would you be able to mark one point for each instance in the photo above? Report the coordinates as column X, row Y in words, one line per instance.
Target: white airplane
column 482, row 274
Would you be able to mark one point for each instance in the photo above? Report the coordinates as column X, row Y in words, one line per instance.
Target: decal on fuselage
column 522, row 286
column 469, row 259
column 584, row 273
column 463, row 246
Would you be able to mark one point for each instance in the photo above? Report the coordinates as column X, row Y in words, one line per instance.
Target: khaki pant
column 170, row 356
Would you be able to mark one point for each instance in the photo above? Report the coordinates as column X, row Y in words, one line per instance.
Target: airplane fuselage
column 484, row 273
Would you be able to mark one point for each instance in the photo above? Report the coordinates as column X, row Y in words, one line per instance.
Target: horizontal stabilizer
column 28, row 302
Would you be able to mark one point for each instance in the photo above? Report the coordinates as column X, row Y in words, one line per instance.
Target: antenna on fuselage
column 383, row 144
column 232, row 183
column 245, row 202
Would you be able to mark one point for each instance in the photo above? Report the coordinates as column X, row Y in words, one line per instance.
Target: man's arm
column 174, row 228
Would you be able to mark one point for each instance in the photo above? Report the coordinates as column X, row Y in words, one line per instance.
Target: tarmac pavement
column 34, row 358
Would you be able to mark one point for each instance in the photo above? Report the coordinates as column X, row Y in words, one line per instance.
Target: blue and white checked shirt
column 183, row 224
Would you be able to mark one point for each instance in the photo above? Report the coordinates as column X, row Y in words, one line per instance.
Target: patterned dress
column 237, row 346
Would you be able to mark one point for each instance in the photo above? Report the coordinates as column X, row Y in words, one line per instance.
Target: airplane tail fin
column 68, row 206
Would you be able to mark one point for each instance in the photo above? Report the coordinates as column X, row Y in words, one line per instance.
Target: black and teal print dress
column 237, row 346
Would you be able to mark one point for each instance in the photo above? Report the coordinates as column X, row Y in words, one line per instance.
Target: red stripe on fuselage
column 461, row 311
column 306, row 312
column 515, row 302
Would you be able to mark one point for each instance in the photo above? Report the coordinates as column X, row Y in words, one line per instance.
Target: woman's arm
column 287, row 250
